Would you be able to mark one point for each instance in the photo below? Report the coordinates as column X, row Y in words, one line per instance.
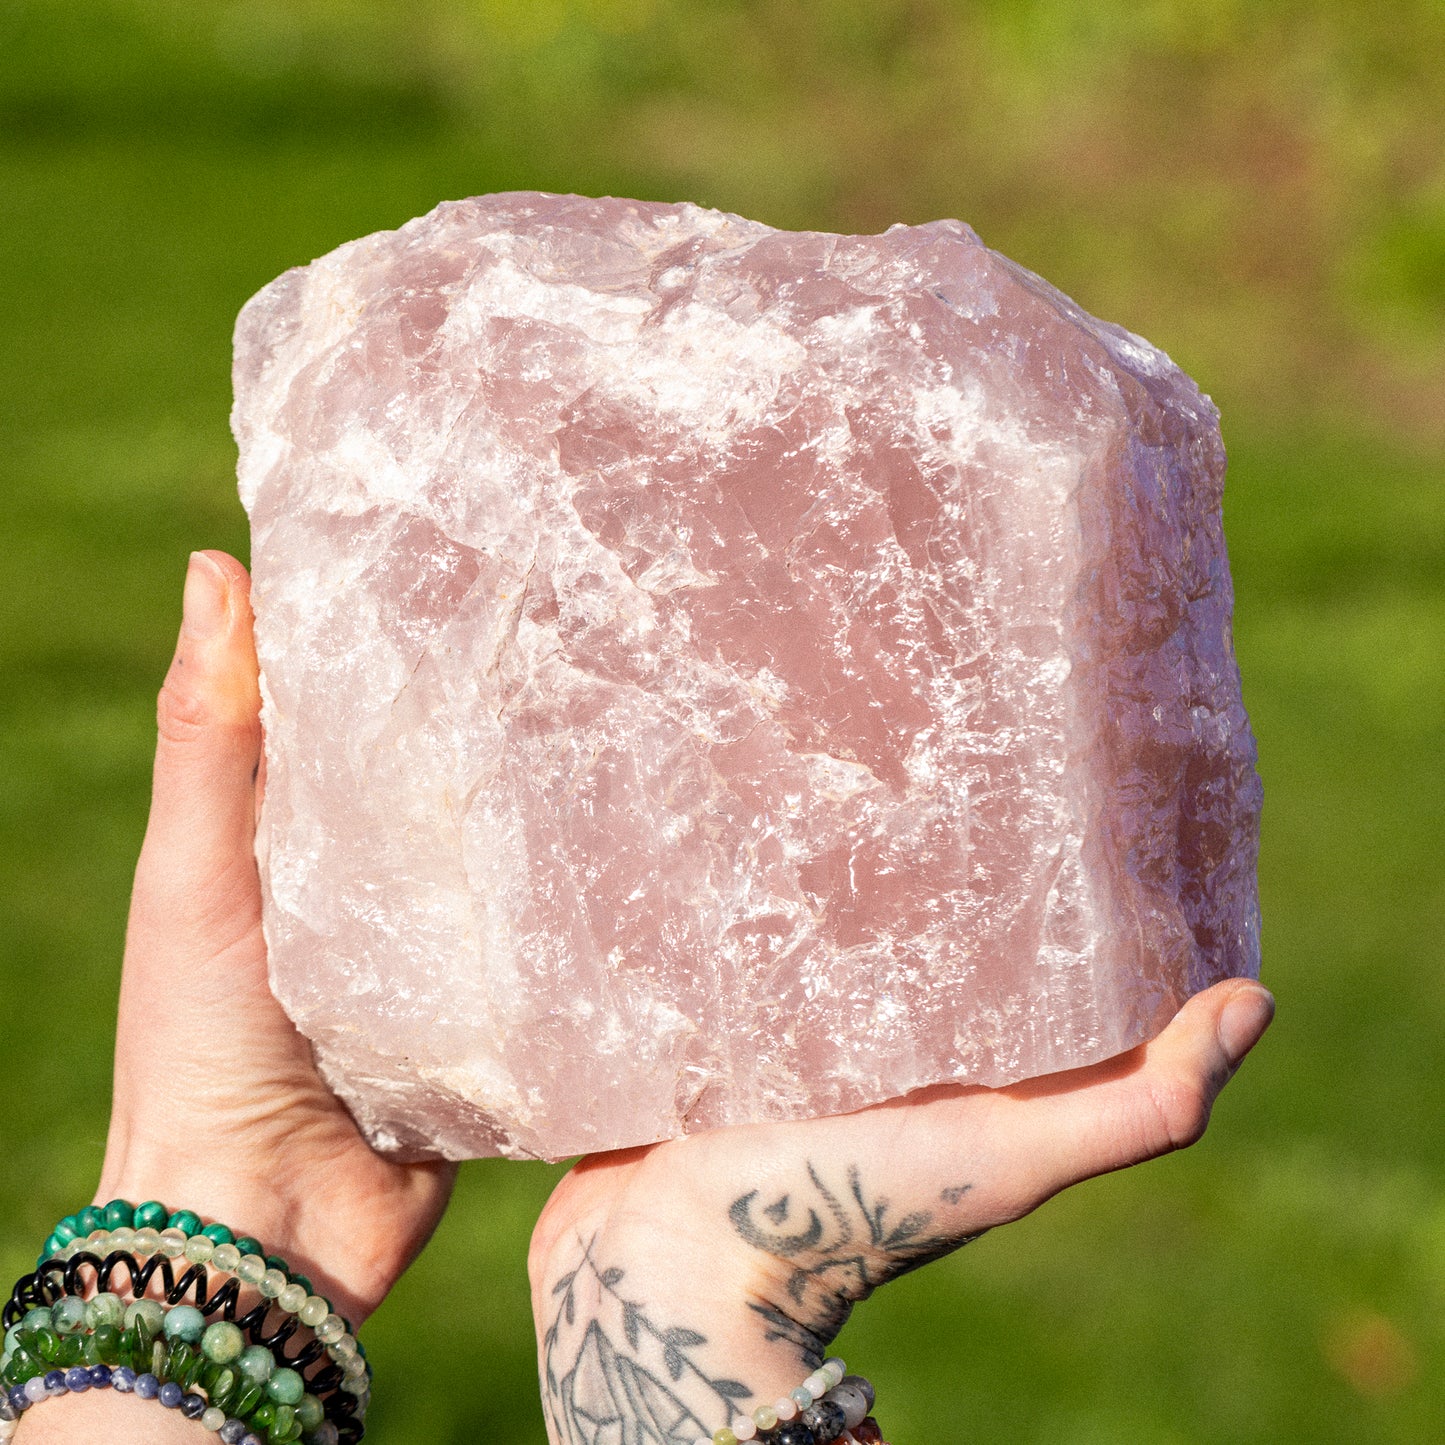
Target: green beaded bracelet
column 209, row 1360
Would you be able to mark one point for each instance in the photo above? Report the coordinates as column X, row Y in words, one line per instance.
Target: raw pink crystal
column 716, row 673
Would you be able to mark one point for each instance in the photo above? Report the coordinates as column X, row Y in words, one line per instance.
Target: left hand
column 218, row 1107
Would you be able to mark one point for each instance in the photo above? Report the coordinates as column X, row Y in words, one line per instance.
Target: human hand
column 679, row 1285
column 218, row 1107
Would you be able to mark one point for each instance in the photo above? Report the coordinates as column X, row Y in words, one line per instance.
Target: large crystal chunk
column 715, row 673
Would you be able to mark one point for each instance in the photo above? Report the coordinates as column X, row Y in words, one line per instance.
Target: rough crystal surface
column 715, row 673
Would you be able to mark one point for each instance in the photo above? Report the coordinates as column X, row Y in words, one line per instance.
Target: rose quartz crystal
column 715, row 673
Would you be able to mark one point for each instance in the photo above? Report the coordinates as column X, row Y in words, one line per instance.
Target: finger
column 1148, row 1102
column 196, row 881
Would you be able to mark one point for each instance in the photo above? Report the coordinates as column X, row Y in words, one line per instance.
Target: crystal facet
column 715, row 673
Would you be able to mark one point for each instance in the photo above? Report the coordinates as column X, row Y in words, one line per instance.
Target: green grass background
column 1256, row 185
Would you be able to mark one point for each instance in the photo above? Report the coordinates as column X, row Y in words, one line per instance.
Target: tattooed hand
column 678, row 1285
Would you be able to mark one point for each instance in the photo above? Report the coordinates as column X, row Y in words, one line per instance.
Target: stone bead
column 199, row 1249
column 67, row 1315
column 313, row 1311
column 100, row 1377
column 193, row 1406
column 802, row 1397
column 291, row 1298
column 122, row 1238
column 795, row 1433
column 310, row 1412
column 724, row 1436
column 170, row 1395
column 35, row 1390
column 37, row 1317
column 745, row 1427
column 834, row 1368
column 219, row 1234
column 149, row 1311
column 851, row 1400
column 232, row 1431
column 765, row 1417
column 256, row 1364
column 147, row 1386
column 867, row 1432
column 786, row 1408
column 859, row 1382
column 285, row 1387
column 173, row 1242
column 185, row 1322
column 263, row 1415
column 151, row 1215
column 817, row 1385
column 247, row 1399
column 122, row 1379
column 251, row 1438
column 226, row 1257
column 90, row 1219
column 326, row 1433
column 106, row 1340
column 827, row 1419
column 251, row 1268
column 147, row 1240
column 66, row 1230
column 186, row 1221
column 272, row 1283
column 77, row 1379
column 105, row 1309
column 120, row 1214
column 213, row 1418
column 282, row 1423
column 330, row 1329
column 247, row 1245
column 223, row 1343
column 354, row 1386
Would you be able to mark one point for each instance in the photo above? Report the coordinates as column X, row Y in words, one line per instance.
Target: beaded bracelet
column 222, row 1375
column 124, row 1380
column 830, row 1405
column 347, row 1384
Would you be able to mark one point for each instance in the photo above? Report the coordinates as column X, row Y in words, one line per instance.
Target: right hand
column 699, row 1278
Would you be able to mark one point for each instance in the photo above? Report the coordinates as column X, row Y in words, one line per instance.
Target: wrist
column 635, row 1316
column 353, row 1283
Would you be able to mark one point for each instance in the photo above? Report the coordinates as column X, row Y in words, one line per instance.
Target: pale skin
column 711, row 1272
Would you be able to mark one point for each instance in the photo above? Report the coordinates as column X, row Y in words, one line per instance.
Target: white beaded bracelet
column 798, row 1417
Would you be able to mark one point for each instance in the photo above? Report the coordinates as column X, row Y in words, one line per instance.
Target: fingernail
column 205, row 606
column 1245, row 1018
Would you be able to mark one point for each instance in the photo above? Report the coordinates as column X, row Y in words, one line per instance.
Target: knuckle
column 181, row 716
column 1181, row 1111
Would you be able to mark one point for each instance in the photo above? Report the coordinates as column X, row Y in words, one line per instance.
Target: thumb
column 196, row 883
column 1148, row 1102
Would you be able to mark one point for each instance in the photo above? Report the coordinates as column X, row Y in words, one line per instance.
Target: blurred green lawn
column 1282, row 1282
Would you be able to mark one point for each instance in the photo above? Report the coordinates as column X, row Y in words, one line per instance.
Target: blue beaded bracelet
column 123, row 1380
